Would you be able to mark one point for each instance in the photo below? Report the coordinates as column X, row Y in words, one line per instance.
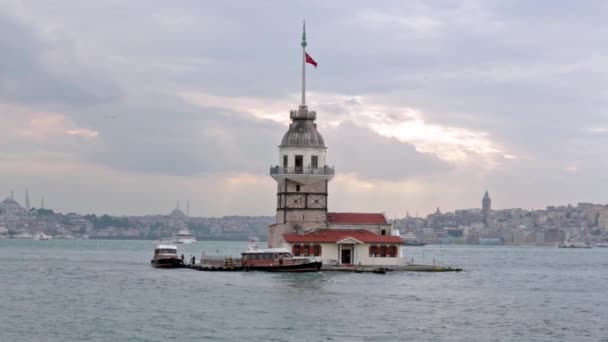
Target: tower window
column 298, row 188
column 284, row 161
column 314, row 162
column 299, row 164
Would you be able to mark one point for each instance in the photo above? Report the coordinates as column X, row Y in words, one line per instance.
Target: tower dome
column 302, row 131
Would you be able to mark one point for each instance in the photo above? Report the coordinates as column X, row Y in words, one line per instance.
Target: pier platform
column 219, row 265
column 387, row 268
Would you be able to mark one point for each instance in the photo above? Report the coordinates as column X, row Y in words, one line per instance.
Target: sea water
column 92, row 290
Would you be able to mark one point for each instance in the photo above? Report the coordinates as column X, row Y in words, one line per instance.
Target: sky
column 126, row 107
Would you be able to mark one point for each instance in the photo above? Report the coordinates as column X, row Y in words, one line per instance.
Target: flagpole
column 304, row 65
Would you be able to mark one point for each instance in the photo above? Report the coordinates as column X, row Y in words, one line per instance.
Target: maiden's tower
column 303, row 223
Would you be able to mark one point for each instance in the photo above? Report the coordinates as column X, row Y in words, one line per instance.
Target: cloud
column 419, row 102
column 451, row 144
column 37, row 69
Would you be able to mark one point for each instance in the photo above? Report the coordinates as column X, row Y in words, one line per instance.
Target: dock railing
column 219, row 261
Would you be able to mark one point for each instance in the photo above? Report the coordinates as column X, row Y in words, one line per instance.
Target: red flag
column 309, row 60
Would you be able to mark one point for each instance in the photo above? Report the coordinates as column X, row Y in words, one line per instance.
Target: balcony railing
column 325, row 171
column 308, row 114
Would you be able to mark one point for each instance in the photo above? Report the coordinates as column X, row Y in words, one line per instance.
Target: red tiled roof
column 356, row 218
column 335, row 235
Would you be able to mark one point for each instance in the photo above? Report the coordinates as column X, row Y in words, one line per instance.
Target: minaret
column 42, row 203
column 486, row 207
column 27, row 199
column 188, row 208
column 302, row 175
column 12, row 195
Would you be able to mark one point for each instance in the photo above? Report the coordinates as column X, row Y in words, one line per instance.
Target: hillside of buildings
column 19, row 222
column 554, row 224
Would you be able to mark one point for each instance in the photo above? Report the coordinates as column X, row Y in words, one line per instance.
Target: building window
column 298, row 188
column 296, row 250
column 314, row 162
column 284, row 161
column 317, row 250
column 383, row 251
column 383, row 232
column 306, row 250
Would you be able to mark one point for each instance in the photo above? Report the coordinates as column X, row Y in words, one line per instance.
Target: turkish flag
column 309, row 60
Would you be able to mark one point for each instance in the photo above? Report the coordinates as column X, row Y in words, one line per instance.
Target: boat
column 165, row 256
column 184, row 236
column 41, row 236
column 411, row 240
column 574, row 244
column 414, row 243
column 602, row 245
column 277, row 260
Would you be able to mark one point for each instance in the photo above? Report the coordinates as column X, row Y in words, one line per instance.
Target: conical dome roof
column 303, row 130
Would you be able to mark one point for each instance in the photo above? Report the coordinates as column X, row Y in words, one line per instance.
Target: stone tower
column 302, row 175
column 486, row 207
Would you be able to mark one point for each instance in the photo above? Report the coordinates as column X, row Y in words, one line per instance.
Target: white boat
column 165, row 256
column 184, row 236
column 575, row 244
column 602, row 245
column 42, row 236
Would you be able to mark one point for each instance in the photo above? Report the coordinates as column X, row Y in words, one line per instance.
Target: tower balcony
column 303, row 175
column 303, row 113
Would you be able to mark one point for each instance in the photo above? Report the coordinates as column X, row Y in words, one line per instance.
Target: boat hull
column 414, row 244
column 303, row 267
column 166, row 263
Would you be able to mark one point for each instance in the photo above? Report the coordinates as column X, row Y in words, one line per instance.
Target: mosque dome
column 177, row 213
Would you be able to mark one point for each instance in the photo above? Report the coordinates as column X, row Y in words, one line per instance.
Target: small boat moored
column 574, row 244
column 165, row 256
column 277, row 260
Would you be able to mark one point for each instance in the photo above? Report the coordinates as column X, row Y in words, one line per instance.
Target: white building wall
column 330, row 255
column 306, row 152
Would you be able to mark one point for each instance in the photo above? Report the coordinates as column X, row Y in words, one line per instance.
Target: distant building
column 486, row 208
column 554, row 235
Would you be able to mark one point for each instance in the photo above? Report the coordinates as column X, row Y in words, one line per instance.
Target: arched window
column 383, row 251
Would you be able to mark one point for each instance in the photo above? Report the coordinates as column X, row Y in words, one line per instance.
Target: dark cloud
column 29, row 76
column 159, row 134
column 354, row 149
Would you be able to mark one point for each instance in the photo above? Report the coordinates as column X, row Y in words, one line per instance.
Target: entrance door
column 299, row 164
column 346, row 256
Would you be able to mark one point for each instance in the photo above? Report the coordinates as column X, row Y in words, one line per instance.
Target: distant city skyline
column 421, row 104
column 187, row 212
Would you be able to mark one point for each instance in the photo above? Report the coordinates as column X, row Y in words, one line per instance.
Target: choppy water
column 106, row 291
